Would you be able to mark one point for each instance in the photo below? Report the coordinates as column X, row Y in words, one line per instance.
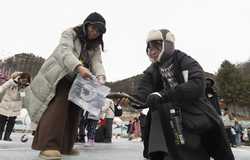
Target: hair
column 90, row 44
column 25, row 75
column 15, row 74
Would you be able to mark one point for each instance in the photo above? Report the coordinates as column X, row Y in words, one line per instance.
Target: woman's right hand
column 84, row 72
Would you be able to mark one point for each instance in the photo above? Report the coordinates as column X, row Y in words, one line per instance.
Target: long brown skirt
column 57, row 128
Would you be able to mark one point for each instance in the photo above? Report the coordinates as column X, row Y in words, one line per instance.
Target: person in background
column 238, row 132
column 82, row 127
column 142, row 119
column 78, row 52
column 227, row 119
column 245, row 137
column 108, row 114
column 136, row 128
column 99, row 136
column 91, row 124
column 212, row 95
column 11, row 94
column 130, row 129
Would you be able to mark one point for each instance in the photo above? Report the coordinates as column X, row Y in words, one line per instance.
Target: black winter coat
column 197, row 112
column 214, row 100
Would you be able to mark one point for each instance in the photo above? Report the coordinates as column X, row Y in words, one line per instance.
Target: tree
column 230, row 83
column 245, row 69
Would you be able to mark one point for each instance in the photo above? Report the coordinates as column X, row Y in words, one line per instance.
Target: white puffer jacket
column 108, row 109
column 10, row 100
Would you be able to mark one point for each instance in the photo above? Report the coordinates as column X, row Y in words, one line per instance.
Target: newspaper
column 88, row 94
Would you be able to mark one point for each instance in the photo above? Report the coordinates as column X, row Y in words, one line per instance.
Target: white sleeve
column 67, row 43
column 6, row 86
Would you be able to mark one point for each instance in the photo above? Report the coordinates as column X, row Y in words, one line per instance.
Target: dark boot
column 82, row 139
column 1, row 135
column 7, row 139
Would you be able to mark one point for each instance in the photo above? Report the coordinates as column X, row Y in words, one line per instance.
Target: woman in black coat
column 212, row 95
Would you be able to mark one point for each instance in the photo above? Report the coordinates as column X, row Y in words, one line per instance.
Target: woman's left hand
column 101, row 79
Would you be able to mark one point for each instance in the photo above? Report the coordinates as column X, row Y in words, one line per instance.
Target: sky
column 210, row 31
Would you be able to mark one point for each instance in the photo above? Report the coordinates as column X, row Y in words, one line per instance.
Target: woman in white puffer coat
column 11, row 93
column 78, row 52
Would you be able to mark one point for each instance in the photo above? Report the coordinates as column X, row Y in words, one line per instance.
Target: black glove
column 153, row 100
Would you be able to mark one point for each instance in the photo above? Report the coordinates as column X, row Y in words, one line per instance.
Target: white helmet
column 154, row 35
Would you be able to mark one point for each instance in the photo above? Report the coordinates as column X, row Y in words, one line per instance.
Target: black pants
column 82, row 127
column 9, row 122
column 90, row 125
column 99, row 135
column 108, row 130
column 142, row 133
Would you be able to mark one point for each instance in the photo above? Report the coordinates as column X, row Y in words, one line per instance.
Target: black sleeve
column 215, row 102
column 191, row 90
column 144, row 88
